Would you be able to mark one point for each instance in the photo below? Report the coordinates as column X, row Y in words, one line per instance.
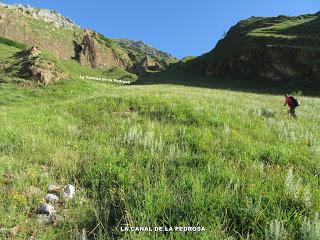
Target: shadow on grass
column 260, row 86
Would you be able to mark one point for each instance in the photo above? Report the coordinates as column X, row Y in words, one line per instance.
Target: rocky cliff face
column 147, row 57
column 45, row 15
column 91, row 53
column 279, row 48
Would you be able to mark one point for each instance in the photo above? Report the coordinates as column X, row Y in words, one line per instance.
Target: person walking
column 292, row 103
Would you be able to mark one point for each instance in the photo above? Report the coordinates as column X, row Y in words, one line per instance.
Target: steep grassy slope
column 277, row 48
column 161, row 155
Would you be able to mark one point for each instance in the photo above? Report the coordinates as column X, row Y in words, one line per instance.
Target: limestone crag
column 45, row 15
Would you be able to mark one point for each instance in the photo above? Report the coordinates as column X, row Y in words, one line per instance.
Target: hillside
column 275, row 48
column 28, row 67
column 59, row 35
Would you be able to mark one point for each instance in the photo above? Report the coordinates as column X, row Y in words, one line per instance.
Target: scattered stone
column 45, row 219
column 49, row 219
column 69, row 191
column 53, row 189
column 51, row 198
column 45, row 209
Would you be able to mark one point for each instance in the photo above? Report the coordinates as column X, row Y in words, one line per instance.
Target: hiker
column 292, row 103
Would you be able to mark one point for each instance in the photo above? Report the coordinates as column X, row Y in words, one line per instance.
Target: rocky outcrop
column 152, row 65
column 149, row 58
column 145, row 65
column 40, row 70
column 45, row 15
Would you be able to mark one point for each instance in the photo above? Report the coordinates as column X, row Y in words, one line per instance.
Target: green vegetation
column 8, row 51
column 11, row 43
column 159, row 155
column 282, row 30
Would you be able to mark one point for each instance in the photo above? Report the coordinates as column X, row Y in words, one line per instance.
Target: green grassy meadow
column 158, row 155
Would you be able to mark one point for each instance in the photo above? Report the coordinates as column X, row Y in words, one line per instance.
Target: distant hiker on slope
column 292, row 103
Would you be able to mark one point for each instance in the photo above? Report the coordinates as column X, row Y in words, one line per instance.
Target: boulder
column 51, row 198
column 45, row 209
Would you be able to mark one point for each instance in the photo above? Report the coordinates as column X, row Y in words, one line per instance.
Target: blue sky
column 179, row 27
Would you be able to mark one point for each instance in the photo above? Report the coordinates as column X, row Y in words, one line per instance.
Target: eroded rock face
column 95, row 55
column 87, row 55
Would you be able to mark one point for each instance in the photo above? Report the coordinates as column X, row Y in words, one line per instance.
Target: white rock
column 69, row 191
column 51, row 198
column 53, row 189
column 45, row 209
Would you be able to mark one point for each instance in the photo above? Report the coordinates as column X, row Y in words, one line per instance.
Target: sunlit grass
column 161, row 155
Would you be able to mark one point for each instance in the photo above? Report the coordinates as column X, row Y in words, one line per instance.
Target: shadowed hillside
column 279, row 49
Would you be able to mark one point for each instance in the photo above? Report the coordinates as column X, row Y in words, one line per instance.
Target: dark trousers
column 292, row 111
